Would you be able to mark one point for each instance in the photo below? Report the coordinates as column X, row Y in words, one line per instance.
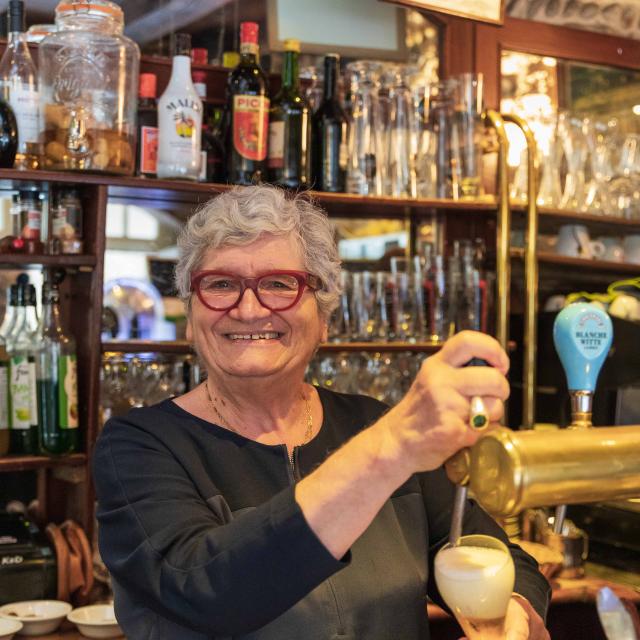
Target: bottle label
column 276, row 145
column 4, row 396
column 25, row 101
column 68, row 392
column 250, row 126
column 20, row 392
column 148, row 149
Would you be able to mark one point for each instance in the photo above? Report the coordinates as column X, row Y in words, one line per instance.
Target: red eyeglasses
column 275, row 290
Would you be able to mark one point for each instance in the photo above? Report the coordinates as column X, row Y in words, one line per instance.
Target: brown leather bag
column 74, row 561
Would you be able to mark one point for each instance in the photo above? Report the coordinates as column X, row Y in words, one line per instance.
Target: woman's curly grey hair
column 240, row 216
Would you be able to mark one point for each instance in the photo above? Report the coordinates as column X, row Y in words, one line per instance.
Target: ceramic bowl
column 8, row 627
column 38, row 617
column 96, row 621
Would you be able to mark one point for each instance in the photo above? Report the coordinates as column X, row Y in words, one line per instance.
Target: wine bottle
column 147, row 164
column 329, row 133
column 180, row 119
column 289, row 127
column 8, row 136
column 19, row 83
column 57, row 380
column 248, row 113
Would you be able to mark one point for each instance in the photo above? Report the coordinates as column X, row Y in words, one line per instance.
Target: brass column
column 531, row 278
column 503, row 261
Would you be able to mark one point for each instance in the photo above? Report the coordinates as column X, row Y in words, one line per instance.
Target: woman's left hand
column 523, row 621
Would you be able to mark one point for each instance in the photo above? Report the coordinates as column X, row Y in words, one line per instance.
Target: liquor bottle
column 329, row 133
column 147, row 126
column 9, row 319
column 247, row 112
column 180, row 119
column 19, row 82
column 289, row 127
column 22, row 383
column 57, row 380
column 8, row 136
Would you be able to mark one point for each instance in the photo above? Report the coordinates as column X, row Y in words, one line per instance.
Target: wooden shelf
column 347, row 204
column 28, row 463
column 20, row 259
column 184, row 347
column 591, row 265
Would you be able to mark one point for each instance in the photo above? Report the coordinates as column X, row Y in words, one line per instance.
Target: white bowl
column 8, row 627
column 38, row 617
column 96, row 621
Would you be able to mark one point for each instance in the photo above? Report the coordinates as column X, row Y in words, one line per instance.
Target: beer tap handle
column 582, row 335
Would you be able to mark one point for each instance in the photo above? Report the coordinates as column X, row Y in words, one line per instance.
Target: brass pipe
column 509, row 471
column 503, row 260
column 531, row 277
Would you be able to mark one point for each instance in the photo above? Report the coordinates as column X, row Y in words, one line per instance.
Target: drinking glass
column 574, row 146
column 598, row 200
column 402, row 174
column 440, row 125
column 475, row 578
column 549, row 157
column 366, row 151
column 469, row 131
column 625, row 185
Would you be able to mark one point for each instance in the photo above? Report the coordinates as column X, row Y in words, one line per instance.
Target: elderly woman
column 257, row 506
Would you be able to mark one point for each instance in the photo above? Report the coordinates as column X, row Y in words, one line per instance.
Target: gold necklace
column 225, row 423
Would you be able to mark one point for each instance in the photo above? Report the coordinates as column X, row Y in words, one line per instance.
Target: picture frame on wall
column 491, row 11
column 337, row 26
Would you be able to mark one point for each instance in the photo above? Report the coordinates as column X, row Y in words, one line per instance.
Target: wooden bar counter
column 572, row 613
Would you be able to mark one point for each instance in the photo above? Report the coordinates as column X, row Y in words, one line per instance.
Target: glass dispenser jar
column 88, row 78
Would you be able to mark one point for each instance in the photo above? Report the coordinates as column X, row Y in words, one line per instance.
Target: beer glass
column 475, row 578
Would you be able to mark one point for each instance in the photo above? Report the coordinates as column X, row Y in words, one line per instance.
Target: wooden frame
column 545, row 40
column 491, row 11
column 276, row 42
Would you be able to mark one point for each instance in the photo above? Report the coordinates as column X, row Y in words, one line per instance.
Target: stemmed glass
column 575, row 150
column 475, row 578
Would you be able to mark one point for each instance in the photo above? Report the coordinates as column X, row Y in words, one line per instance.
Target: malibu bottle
column 289, row 127
column 247, row 113
column 180, row 119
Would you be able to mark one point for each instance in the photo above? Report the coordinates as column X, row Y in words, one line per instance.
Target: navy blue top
column 205, row 541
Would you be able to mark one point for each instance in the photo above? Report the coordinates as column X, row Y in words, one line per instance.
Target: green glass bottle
column 289, row 156
column 57, row 380
column 22, row 383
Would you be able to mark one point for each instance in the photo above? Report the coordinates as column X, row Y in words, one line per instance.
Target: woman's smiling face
column 251, row 340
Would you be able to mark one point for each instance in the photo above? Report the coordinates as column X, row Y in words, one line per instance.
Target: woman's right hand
column 431, row 422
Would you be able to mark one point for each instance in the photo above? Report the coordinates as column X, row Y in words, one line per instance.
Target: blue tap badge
column 582, row 335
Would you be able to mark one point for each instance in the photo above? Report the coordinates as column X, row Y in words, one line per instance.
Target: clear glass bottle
column 19, row 81
column 22, row 383
column 57, row 380
column 88, row 80
column 10, row 312
column 180, row 119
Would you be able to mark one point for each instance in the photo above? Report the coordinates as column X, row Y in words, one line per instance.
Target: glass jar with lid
column 88, row 78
